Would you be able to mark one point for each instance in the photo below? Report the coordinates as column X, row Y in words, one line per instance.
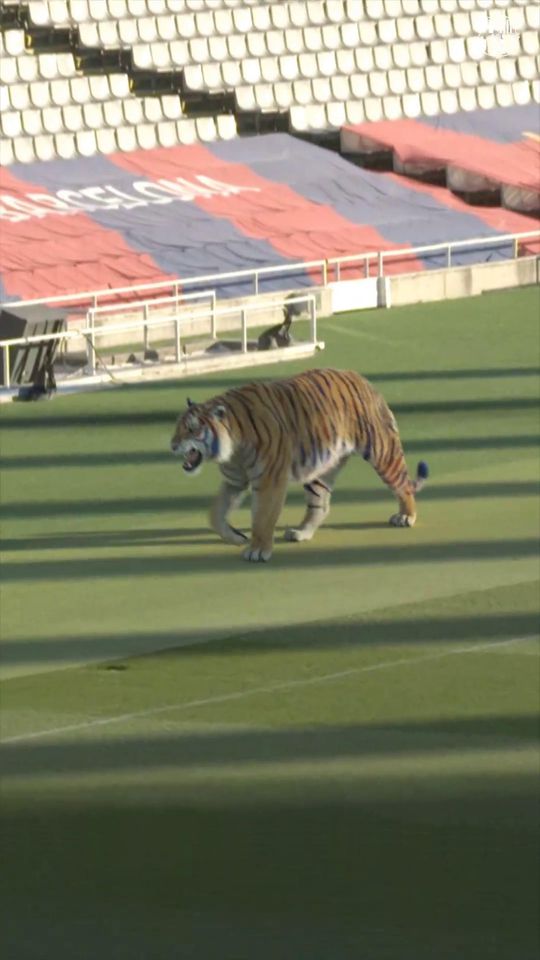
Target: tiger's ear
column 219, row 411
column 190, row 403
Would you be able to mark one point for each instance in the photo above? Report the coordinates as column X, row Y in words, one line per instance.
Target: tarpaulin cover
column 69, row 226
column 502, row 145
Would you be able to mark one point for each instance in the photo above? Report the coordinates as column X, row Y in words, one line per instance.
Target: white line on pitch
column 272, row 688
column 361, row 334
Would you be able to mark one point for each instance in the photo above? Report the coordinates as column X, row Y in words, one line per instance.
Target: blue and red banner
column 69, row 226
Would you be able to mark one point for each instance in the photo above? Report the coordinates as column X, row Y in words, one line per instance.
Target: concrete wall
column 461, row 281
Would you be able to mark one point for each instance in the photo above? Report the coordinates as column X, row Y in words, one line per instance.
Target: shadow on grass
column 127, row 458
column 318, row 635
column 167, row 417
column 223, row 747
column 416, row 866
column 18, row 509
column 287, row 556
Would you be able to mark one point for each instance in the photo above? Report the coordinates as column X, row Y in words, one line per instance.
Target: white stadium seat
column 412, row 106
column 430, row 103
column 321, row 90
column 449, row 101
column 467, row 99
column 486, row 97
column 65, row 145
column 374, row 109
column 336, row 115
column 355, row 111
column 392, row 108
column 307, row 63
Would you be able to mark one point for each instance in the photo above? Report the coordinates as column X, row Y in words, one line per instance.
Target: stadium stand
column 120, row 74
column 124, row 92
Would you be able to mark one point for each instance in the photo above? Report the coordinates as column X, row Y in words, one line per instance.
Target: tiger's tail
column 422, row 474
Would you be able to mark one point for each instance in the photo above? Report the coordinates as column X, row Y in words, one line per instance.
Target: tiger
column 303, row 429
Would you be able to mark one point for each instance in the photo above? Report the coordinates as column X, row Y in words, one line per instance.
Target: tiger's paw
column 256, row 554
column 233, row 536
column 296, row 534
column 402, row 520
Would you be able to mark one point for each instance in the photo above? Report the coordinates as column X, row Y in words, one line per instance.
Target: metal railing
column 91, row 333
column 177, row 300
column 258, row 274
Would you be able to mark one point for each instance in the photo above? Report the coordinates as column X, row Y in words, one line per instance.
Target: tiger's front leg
column 227, row 498
column 266, row 504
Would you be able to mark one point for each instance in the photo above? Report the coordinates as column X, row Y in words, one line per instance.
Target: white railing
column 91, row 332
column 177, row 300
column 448, row 247
column 257, row 274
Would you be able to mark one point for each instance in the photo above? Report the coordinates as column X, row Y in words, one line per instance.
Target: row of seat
column 216, row 56
column 144, row 136
column 90, row 116
column 29, row 67
column 62, row 13
column 284, row 13
column 334, row 114
column 62, row 93
column 346, row 89
column 124, row 133
column 314, row 35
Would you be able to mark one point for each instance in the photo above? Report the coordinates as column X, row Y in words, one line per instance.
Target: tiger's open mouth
column 192, row 460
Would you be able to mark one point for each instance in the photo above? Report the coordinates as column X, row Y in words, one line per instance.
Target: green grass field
column 330, row 757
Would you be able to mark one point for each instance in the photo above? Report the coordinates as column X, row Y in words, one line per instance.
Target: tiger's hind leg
column 392, row 469
column 227, row 498
column 318, row 497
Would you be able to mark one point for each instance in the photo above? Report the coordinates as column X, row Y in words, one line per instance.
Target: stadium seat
column 283, row 94
column 65, row 146
column 430, row 103
column 44, row 147
column 383, row 57
column 146, row 136
column 449, row 101
column 52, row 120
column 411, row 105
column 23, row 150
column 316, row 12
column 397, row 82
column 400, row 53
column 335, row 12
column 452, row 76
column 359, row 86
column 392, row 108
column 226, row 127
column 18, row 95
column 126, row 139
column 469, row 74
column 245, row 97
column 336, row 115
column 419, row 56
column 321, row 90
column 349, row 36
column 467, row 98
column 374, row 110
column 11, row 124
column 434, row 77
column 387, row 31
column 485, row 96
column 206, row 129
column 521, row 92
column 405, row 29
column 167, row 134
column 355, row 111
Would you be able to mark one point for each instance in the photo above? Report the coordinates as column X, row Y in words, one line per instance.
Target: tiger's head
column 201, row 434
